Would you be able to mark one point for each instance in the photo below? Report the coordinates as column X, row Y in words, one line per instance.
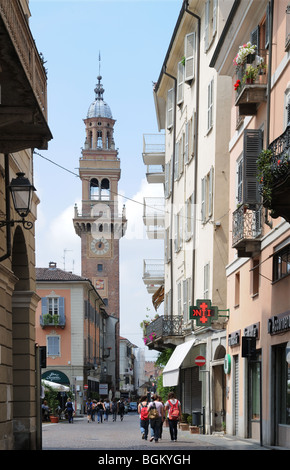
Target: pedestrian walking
column 94, row 406
column 107, row 405
column 174, row 413
column 156, row 415
column 144, row 418
column 163, row 419
column 114, row 409
column 70, row 410
column 100, row 411
column 89, row 409
column 121, row 409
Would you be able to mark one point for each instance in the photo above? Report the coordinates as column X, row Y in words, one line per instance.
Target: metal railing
column 153, row 143
column 164, row 326
column 247, row 223
column 153, row 268
column 258, row 62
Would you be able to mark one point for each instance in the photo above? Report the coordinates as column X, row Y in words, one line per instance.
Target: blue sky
column 132, row 37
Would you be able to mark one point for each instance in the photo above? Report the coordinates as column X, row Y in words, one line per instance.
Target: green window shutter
column 253, row 145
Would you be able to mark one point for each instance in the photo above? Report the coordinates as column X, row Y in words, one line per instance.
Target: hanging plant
column 264, row 174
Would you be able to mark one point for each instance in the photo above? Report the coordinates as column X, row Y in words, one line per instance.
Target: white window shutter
column 176, row 162
column 170, row 104
column 206, row 26
column 186, row 143
column 189, row 52
column 210, row 192
column 203, row 200
column 214, row 17
column 180, row 80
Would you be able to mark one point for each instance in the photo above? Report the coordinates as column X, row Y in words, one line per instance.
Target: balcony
column 153, row 274
column 23, row 113
column 155, row 174
column 252, row 91
column 163, row 332
column 52, row 320
column 154, row 149
column 247, row 229
column 275, row 187
column 154, row 217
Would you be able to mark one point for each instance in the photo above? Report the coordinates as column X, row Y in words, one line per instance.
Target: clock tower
column 100, row 224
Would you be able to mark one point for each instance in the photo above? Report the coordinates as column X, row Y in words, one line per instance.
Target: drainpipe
column 172, row 181
column 196, row 134
column 7, row 203
column 271, row 9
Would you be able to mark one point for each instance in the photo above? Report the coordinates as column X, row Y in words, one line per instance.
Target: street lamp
column 21, row 191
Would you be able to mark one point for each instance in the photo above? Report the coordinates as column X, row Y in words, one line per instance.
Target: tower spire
column 99, row 90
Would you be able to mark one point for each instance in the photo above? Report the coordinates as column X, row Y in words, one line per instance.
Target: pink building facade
column 257, row 364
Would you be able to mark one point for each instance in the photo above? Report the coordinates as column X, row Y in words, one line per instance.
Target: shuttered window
column 253, row 145
column 180, row 81
column 170, row 104
column 53, row 345
column 189, row 53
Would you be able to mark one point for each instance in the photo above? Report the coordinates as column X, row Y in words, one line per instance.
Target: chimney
column 52, row 265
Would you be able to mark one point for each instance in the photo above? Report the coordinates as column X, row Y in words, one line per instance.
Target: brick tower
column 100, row 225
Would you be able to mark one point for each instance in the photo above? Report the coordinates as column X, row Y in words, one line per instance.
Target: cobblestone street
column 126, row 436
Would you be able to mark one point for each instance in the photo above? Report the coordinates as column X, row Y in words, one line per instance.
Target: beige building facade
column 23, row 127
column 258, row 331
column 193, row 112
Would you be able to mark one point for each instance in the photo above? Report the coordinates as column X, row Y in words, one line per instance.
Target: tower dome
column 99, row 108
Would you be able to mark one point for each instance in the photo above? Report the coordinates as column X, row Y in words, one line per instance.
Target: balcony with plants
column 274, row 176
column 49, row 319
column 162, row 332
column 251, row 79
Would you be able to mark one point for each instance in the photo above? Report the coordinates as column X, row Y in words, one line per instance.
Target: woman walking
column 174, row 412
column 156, row 416
column 144, row 419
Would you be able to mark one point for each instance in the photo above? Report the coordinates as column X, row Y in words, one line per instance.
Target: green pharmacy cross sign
column 203, row 312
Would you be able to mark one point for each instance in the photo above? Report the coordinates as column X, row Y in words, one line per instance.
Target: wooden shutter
column 180, row 80
column 170, row 104
column 203, row 200
column 186, row 143
column 61, row 310
column 252, row 148
column 189, row 52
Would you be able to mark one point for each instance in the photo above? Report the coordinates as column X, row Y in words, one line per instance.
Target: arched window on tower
column 100, row 141
column 105, row 189
column 90, row 139
column 108, row 140
column 94, row 189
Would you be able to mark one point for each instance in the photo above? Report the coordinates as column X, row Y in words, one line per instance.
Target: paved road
column 126, row 436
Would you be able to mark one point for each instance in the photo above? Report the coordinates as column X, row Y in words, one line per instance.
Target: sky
column 131, row 37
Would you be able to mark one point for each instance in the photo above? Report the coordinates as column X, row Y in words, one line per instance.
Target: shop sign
column 227, row 364
column 234, row 338
column 279, row 323
column 203, row 312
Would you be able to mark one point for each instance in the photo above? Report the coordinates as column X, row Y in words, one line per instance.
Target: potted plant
column 53, row 403
column 265, row 174
column 250, row 74
column 184, row 425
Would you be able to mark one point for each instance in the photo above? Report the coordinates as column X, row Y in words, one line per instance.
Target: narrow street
column 126, row 436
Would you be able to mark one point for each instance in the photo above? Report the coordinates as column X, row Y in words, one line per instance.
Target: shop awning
column 171, row 370
column 55, row 386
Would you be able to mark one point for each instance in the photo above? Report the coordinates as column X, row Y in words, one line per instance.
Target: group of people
column 154, row 413
column 103, row 408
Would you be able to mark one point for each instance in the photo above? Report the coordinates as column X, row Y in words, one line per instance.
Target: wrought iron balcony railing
column 163, row 327
column 246, row 229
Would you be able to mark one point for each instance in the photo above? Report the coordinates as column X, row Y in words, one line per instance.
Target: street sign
column 200, row 361
column 86, row 387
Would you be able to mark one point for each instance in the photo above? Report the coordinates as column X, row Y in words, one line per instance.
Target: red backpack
column 144, row 413
column 173, row 410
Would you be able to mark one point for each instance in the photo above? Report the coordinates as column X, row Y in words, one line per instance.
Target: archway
column 218, row 378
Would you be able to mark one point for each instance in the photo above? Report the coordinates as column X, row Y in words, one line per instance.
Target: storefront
column 279, row 329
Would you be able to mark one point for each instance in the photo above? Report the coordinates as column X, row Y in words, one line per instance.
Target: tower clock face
column 100, row 246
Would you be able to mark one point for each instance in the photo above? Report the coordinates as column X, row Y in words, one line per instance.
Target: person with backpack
column 100, row 411
column 174, row 413
column 156, row 416
column 121, row 409
column 144, row 418
column 70, row 410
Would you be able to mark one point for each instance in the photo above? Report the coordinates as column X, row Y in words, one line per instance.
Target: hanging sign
column 203, row 312
column 227, row 364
